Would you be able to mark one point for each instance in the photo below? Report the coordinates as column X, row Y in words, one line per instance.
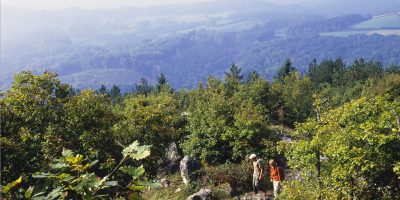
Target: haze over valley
column 121, row 44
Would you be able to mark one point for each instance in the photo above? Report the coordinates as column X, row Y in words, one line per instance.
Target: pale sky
column 93, row 4
column 104, row 4
column 89, row 4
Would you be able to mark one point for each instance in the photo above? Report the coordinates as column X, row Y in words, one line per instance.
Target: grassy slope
column 383, row 25
column 388, row 21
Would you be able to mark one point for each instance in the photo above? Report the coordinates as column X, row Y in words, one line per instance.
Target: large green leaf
column 88, row 181
column 137, row 152
column 134, row 172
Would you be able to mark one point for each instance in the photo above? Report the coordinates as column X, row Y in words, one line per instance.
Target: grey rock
column 170, row 161
column 203, row 194
column 189, row 169
column 171, row 153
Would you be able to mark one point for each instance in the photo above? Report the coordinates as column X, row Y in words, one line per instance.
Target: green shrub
column 239, row 176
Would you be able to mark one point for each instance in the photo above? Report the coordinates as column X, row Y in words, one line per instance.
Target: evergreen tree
column 115, row 91
column 285, row 70
column 102, row 90
column 233, row 79
column 253, row 76
column 162, row 82
column 312, row 71
column 361, row 70
column 328, row 71
column 143, row 87
column 234, row 72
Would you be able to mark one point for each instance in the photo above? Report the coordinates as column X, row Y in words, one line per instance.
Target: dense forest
column 336, row 127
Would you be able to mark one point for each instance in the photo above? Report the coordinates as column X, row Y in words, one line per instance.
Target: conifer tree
column 233, row 79
column 143, row 87
column 162, row 82
column 285, row 70
column 102, row 90
column 115, row 91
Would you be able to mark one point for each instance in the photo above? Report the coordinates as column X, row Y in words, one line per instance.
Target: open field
column 384, row 32
column 383, row 25
column 380, row 22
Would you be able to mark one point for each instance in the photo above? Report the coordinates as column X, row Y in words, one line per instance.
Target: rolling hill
column 88, row 48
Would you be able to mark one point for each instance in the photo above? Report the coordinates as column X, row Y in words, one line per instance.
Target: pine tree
column 102, row 90
column 253, row 76
column 285, row 70
column 143, row 87
column 162, row 82
column 234, row 73
column 115, row 91
column 233, row 78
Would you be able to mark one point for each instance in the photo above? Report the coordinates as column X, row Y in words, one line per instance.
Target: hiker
column 276, row 176
column 258, row 173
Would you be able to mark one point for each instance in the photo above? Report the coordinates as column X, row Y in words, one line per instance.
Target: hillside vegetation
column 343, row 121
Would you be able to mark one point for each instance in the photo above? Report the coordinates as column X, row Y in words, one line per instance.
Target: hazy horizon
column 89, row 4
column 119, row 42
column 106, row 4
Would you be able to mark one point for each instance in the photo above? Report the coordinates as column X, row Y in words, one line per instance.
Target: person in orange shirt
column 276, row 176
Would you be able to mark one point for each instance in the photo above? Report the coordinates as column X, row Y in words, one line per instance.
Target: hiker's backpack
column 281, row 173
column 260, row 164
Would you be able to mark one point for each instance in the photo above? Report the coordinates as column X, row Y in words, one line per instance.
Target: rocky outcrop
column 190, row 169
column 203, row 194
column 170, row 161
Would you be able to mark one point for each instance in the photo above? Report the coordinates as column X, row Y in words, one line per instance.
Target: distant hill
column 88, row 48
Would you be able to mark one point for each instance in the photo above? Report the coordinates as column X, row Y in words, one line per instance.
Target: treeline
column 346, row 119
